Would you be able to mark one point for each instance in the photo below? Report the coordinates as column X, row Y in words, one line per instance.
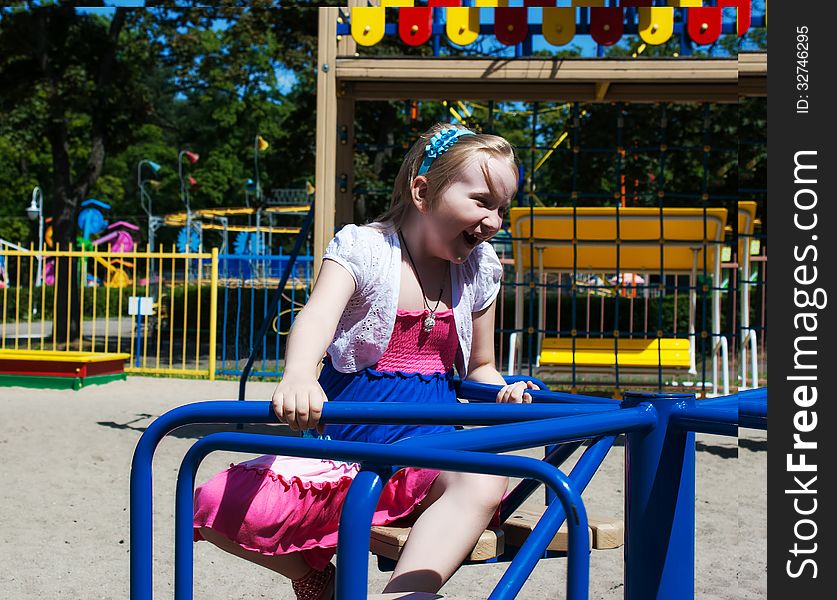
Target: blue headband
column 439, row 144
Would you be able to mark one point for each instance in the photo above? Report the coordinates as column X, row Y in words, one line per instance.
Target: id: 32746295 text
column 802, row 58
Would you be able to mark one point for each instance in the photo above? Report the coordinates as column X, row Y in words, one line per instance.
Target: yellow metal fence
column 159, row 307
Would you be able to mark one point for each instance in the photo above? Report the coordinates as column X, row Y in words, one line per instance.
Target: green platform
column 58, row 383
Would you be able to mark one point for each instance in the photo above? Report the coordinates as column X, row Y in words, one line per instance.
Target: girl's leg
column 292, row 566
column 307, row 583
column 458, row 509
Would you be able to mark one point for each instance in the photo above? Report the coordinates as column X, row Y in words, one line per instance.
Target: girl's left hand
column 515, row 393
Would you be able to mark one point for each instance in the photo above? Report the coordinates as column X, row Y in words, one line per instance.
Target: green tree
column 74, row 84
column 84, row 97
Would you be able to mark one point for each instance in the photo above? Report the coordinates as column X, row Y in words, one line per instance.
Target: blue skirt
column 369, row 385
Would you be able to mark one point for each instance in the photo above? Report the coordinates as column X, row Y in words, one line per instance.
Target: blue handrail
column 659, row 449
column 353, row 536
column 260, row 412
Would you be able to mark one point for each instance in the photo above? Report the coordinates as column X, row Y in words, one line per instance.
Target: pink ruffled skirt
column 279, row 504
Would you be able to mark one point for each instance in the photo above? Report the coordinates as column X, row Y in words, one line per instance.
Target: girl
column 397, row 305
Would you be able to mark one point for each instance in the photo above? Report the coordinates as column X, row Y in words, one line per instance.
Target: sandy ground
column 64, row 521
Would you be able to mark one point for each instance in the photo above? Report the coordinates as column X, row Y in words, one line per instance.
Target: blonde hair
column 444, row 169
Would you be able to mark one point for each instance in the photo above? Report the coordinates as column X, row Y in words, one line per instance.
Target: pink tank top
column 413, row 350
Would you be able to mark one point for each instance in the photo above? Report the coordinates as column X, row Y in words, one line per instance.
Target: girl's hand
column 299, row 403
column 515, row 393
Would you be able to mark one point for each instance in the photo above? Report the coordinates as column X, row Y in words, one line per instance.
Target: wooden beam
column 344, row 199
column 545, row 78
column 752, row 74
column 540, row 68
column 346, row 45
column 542, row 92
column 326, row 141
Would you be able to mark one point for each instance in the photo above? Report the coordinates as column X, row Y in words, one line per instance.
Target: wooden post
column 326, row 171
column 344, row 203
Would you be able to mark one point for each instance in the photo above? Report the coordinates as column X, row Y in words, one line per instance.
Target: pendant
column 429, row 322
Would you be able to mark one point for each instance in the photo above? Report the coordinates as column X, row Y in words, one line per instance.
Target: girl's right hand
column 299, row 403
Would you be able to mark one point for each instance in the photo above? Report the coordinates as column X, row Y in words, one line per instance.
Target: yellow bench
column 603, row 353
column 593, row 240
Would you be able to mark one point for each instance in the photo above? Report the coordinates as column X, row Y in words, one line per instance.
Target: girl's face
column 467, row 213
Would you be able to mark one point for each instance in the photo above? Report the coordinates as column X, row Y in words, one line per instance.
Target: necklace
column 430, row 317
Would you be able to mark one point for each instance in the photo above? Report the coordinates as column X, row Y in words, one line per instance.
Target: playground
column 82, row 512
column 634, row 274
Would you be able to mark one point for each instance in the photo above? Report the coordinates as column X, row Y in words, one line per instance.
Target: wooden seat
column 605, row 532
column 603, row 353
column 387, row 541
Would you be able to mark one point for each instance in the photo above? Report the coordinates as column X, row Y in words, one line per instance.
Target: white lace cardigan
column 372, row 255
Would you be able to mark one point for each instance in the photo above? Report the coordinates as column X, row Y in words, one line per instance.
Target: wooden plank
column 554, row 79
column 605, row 532
column 388, row 541
column 543, row 91
column 547, row 68
column 752, row 62
column 519, row 526
column 608, row 533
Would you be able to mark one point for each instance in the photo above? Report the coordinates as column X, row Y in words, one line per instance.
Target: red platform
column 59, row 369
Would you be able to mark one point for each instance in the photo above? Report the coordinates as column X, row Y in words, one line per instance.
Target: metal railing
column 659, row 474
column 160, row 307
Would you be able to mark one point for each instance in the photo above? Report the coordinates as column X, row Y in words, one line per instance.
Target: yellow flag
column 263, row 145
column 309, row 189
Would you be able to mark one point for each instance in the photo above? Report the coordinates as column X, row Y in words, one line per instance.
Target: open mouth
column 471, row 240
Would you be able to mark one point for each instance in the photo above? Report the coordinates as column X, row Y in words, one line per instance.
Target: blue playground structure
column 659, row 475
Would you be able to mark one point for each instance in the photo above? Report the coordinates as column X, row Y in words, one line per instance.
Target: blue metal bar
column 515, row 436
column 238, row 332
column 659, row 470
column 757, row 394
column 751, row 422
column 224, row 321
column 529, row 554
column 407, row 413
column 706, row 419
column 731, row 400
column 232, row 411
column 720, row 402
column 660, row 504
column 514, row 378
column 353, row 533
column 486, row 392
column 752, row 408
column 438, row 28
column 515, row 498
column 141, row 474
